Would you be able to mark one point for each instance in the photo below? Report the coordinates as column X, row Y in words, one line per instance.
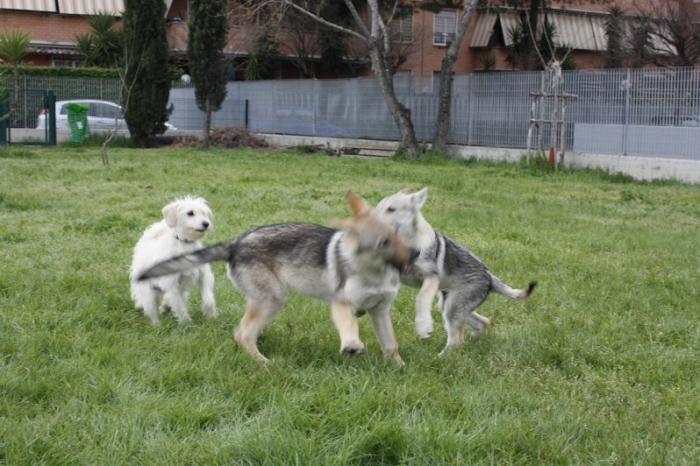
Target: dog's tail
column 216, row 252
column 501, row 288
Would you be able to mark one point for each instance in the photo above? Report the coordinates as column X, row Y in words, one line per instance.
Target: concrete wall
column 639, row 168
column 653, row 141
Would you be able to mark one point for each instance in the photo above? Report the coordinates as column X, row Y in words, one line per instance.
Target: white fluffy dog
column 185, row 223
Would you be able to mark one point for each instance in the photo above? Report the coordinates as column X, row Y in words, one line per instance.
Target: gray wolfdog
column 446, row 266
column 354, row 268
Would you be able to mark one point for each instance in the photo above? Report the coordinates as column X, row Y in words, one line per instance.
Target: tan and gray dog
column 444, row 266
column 354, row 268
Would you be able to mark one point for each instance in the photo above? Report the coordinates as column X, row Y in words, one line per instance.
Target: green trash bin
column 77, row 121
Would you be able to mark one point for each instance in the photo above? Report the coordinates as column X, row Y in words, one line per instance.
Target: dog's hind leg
column 206, row 287
column 458, row 311
column 424, row 306
column 478, row 324
column 257, row 315
column 150, row 307
column 346, row 324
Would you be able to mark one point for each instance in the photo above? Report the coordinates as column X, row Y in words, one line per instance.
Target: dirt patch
column 226, row 137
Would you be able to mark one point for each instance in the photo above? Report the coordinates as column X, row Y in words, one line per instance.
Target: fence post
column 355, row 102
column 628, row 85
column 51, row 106
column 246, row 113
column 314, row 104
column 470, row 121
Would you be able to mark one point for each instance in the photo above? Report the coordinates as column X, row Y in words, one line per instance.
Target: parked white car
column 102, row 115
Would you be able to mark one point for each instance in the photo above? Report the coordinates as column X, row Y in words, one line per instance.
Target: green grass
column 600, row 366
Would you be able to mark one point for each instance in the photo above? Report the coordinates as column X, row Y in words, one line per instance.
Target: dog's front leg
column 206, row 287
column 177, row 304
column 424, row 306
column 381, row 321
column 346, row 324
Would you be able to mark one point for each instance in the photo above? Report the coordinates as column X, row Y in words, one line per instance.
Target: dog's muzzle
column 406, row 267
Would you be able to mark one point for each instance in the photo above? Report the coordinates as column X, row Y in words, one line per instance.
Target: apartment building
column 422, row 35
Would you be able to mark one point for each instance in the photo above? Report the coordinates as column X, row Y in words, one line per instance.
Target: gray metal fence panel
column 610, row 115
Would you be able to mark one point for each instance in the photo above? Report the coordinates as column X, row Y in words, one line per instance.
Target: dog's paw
column 483, row 324
column 184, row 319
column 210, row 312
column 353, row 347
column 424, row 328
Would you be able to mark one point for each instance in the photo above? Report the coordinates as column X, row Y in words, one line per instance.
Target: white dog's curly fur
column 185, row 223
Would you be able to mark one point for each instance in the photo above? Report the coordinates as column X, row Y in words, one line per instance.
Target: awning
column 579, row 31
column 58, row 51
column 29, row 5
column 71, row 7
column 90, row 7
column 483, row 29
column 509, row 21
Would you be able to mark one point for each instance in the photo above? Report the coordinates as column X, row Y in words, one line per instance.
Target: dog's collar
column 183, row 240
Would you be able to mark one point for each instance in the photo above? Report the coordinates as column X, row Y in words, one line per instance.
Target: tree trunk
column 401, row 113
column 532, row 53
column 207, row 123
column 442, row 124
column 376, row 38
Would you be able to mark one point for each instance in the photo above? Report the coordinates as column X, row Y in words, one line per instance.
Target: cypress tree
column 146, row 85
column 209, row 68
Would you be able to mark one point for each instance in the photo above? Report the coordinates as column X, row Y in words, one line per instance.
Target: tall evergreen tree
column 209, row 68
column 147, row 83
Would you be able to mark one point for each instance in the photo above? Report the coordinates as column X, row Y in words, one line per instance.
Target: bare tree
column 672, row 29
column 528, row 56
column 299, row 35
column 375, row 33
column 442, row 124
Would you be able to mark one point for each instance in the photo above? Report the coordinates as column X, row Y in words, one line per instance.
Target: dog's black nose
column 205, row 224
column 414, row 254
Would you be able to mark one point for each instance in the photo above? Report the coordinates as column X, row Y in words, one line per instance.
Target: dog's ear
column 358, row 205
column 345, row 224
column 405, row 191
column 170, row 214
column 420, row 197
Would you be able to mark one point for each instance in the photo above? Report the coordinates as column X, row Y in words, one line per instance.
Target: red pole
column 551, row 155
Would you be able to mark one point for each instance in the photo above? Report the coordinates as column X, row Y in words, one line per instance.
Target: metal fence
column 653, row 112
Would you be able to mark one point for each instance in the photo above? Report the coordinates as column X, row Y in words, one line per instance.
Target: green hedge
column 66, row 71
column 61, row 71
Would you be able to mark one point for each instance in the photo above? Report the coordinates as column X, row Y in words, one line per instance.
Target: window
column 104, row 110
column 75, row 63
column 444, row 27
column 402, row 24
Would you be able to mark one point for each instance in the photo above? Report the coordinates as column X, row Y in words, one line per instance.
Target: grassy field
column 600, row 366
